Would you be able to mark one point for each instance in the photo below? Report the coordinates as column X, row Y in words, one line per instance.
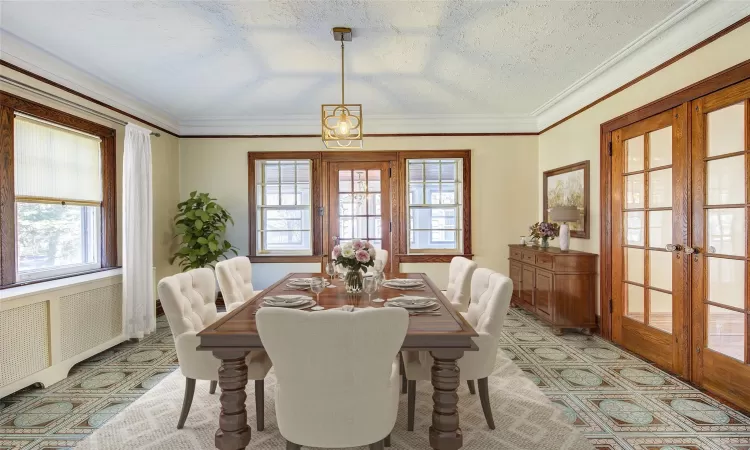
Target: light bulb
column 343, row 127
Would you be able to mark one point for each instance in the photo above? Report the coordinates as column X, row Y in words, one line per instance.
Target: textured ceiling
column 237, row 59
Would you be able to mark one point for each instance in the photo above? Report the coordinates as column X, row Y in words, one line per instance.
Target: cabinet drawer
column 516, row 254
column 545, row 261
column 529, row 257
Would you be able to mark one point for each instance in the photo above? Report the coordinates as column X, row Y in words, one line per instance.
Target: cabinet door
column 516, row 276
column 543, row 292
column 527, row 285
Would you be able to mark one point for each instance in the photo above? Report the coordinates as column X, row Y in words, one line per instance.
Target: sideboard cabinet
column 557, row 286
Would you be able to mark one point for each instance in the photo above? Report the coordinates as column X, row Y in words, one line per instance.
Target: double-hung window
column 434, row 203
column 283, row 207
column 58, row 199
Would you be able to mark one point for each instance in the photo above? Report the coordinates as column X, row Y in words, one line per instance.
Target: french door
column 360, row 203
column 649, row 234
column 721, row 243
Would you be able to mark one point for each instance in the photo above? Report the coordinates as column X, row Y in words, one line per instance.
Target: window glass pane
column 303, row 193
column 416, row 171
column 434, row 240
column 359, row 204
column 635, row 261
column 374, row 228
column 726, row 332
column 373, row 180
column 725, row 181
column 288, row 194
column 345, row 180
column 634, row 190
column 373, row 204
column 303, row 171
column 659, row 228
column 660, row 189
column 55, row 237
column 726, row 281
column 359, row 227
column 634, row 154
column 288, row 171
column 660, row 267
column 634, row 302
column 726, row 231
column 432, row 192
column 448, row 170
column 448, row 194
column 634, row 228
column 286, row 241
column 432, row 171
column 725, row 130
column 271, row 169
column 346, row 208
column 660, row 148
column 360, row 181
column 660, row 315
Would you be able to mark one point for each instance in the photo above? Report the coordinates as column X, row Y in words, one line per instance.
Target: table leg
column 445, row 433
column 233, row 432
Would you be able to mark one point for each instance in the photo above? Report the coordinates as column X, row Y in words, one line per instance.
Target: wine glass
column 331, row 269
column 379, row 265
column 370, row 285
column 317, row 285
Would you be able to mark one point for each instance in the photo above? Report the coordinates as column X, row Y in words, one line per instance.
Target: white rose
column 347, row 252
column 372, row 252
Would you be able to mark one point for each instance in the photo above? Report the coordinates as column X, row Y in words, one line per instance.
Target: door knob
column 691, row 250
column 673, row 247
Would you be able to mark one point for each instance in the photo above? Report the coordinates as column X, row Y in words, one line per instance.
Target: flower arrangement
column 546, row 231
column 354, row 256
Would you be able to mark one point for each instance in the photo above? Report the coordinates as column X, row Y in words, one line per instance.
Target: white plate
column 404, row 281
column 412, row 304
column 304, row 305
column 287, row 301
column 433, row 307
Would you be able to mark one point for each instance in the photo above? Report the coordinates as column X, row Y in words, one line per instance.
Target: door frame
column 718, row 81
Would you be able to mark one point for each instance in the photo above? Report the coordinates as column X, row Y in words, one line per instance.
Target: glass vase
column 353, row 281
column 545, row 242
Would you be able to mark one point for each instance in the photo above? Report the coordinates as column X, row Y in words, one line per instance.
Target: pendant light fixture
column 342, row 123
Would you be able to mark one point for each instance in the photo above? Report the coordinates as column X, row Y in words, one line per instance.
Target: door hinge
column 610, row 148
column 610, row 306
column 390, row 226
column 389, row 172
column 321, row 211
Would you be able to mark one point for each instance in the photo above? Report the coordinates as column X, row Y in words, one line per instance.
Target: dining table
column 445, row 334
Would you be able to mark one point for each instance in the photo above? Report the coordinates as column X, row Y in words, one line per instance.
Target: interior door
column 720, row 265
column 649, row 222
column 360, row 203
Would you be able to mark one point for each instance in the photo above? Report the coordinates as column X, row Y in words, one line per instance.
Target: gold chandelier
column 342, row 123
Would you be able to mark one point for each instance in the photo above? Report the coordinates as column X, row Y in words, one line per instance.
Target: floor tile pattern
column 615, row 399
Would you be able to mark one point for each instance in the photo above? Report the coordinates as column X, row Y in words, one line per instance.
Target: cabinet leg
column 586, row 331
column 557, row 331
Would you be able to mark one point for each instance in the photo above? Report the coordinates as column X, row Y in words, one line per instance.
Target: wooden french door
column 721, row 242
column 360, row 203
column 649, row 234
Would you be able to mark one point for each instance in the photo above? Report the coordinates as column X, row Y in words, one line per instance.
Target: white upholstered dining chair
column 235, row 281
column 490, row 299
column 458, row 291
column 189, row 302
column 337, row 375
column 381, row 255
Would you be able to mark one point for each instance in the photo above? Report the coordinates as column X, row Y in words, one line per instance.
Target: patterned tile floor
column 614, row 398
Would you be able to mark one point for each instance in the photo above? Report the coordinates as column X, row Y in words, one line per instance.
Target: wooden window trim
column 12, row 104
column 315, row 203
column 403, row 219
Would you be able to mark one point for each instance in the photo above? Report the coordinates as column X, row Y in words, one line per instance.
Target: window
column 434, row 202
column 283, row 207
column 58, row 187
column 57, row 193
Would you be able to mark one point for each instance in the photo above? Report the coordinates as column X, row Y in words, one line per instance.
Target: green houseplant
column 200, row 226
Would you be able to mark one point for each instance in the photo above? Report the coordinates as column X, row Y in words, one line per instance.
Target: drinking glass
column 370, row 285
column 331, row 269
column 379, row 265
column 317, row 285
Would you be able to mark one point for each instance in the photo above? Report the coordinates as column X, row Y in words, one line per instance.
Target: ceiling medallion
column 342, row 123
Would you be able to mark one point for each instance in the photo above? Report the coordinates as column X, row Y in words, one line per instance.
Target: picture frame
column 569, row 185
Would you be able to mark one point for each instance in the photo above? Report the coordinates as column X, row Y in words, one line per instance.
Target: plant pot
column 353, row 281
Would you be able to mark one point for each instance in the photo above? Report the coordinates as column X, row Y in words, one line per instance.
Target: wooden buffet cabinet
column 557, row 286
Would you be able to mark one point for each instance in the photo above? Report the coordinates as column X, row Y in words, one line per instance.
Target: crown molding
column 695, row 22
column 49, row 67
column 372, row 124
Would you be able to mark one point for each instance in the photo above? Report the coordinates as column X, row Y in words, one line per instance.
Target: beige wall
column 165, row 154
column 578, row 138
column 504, row 185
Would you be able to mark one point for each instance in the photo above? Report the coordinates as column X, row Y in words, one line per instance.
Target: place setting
column 302, row 284
column 404, row 284
column 288, row 301
column 416, row 305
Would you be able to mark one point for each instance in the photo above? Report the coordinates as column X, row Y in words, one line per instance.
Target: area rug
column 525, row 419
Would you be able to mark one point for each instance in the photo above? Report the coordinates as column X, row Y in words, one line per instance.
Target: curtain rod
column 65, row 101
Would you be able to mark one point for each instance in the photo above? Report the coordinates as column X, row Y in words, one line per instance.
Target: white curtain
column 139, row 314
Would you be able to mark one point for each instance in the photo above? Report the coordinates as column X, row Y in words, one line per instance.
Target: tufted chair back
column 381, row 255
column 235, row 281
column 490, row 300
column 189, row 300
column 459, row 282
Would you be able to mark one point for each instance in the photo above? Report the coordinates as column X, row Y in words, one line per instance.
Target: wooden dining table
column 445, row 335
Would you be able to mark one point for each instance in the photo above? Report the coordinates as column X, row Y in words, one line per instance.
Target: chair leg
column 377, row 446
column 412, row 397
column 387, row 441
column 472, row 391
column 292, row 446
column 186, row 402
column 212, row 389
column 259, row 404
column 402, row 371
column 484, row 397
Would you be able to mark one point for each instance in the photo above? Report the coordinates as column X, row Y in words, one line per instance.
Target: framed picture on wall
column 569, row 186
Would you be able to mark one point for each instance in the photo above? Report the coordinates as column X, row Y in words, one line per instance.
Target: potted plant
column 200, row 226
column 355, row 256
column 546, row 231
